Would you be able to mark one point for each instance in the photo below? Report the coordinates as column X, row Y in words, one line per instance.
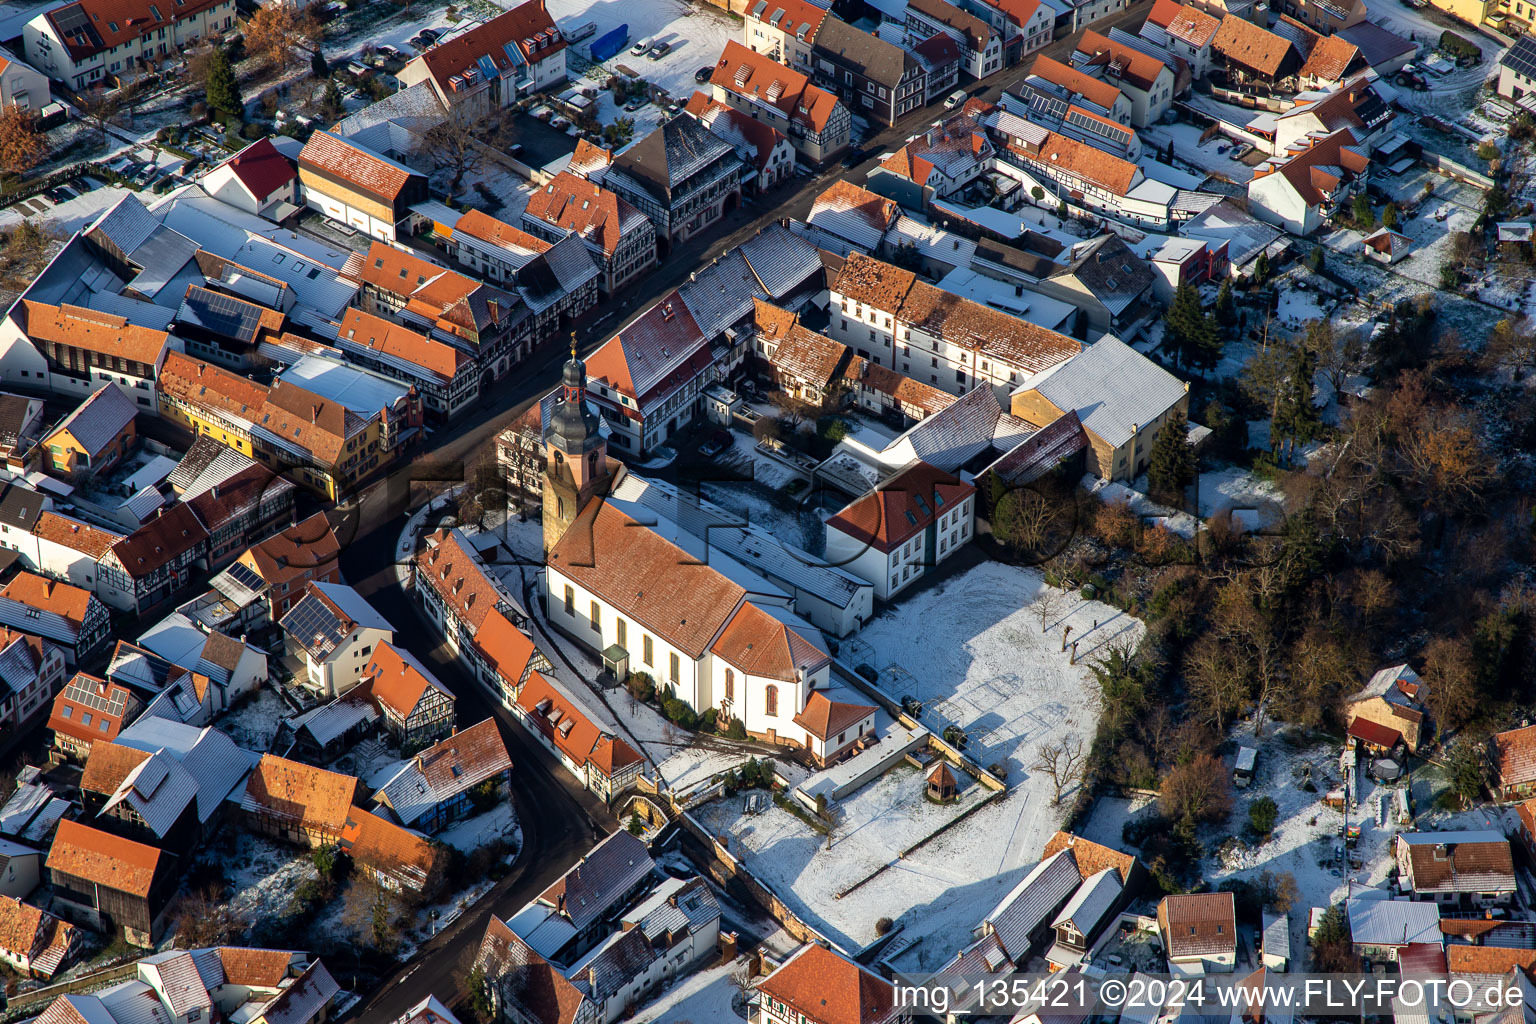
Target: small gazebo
column 941, row 783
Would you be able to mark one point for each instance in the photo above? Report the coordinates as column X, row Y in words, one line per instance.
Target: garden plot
column 705, row 996
column 264, row 876
column 943, row 888
column 253, row 723
column 697, row 33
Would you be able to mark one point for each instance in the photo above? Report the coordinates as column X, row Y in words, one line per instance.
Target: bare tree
column 452, row 144
column 22, row 146
column 1047, row 605
column 369, row 912
column 1197, row 790
column 204, row 918
column 100, row 108
column 1063, row 761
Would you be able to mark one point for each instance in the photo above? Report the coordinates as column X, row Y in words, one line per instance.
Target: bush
column 641, row 686
column 754, row 774
column 1262, row 815
column 954, row 736
column 736, row 730
column 707, row 720
column 1459, row 47
column 999, row 769
column 680, row 712
column 884, row 926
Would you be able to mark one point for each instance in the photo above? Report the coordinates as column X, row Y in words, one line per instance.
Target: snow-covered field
column 264, row 875
column 254, row 724
column 977, row 658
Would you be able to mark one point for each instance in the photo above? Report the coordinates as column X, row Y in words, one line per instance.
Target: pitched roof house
column 449, row 780
column 298, row 802
column 1514, row 762
column 1389, row 710
column 819, row 986
column 494, row 64
column 415, row 705
column 604, row 763
column 89, row 709
column 111, row 884
column 619, row 237
column 95, row 436
column 815, row 120
column 1253, row 54
column 356, row 186
column 680, row 176
column 33, row 941
column 1301, row 188
column 1473, row 869
column 1199, row 931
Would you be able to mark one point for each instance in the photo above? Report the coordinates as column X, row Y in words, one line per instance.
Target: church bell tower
column 576, row 455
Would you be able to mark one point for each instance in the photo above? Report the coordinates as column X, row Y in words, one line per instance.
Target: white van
column 955, row 99
column 640, row 47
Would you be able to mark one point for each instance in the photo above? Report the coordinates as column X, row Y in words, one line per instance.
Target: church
column 648, row 596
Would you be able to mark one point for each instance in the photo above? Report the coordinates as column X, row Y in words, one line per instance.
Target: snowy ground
column 697, row 33
column 264, row 875
column 1189, row 151
column 933, row 890
column 471, row 833
column 705, row 997
column 973, row 652
column 253, row 725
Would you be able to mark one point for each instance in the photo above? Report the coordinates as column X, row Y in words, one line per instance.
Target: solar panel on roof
column 245, row 576
column 1521, row 57
column 314, row 625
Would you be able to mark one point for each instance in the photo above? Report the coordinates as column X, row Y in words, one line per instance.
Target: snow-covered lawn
column 706, row 997
column 975, row 656
column 498, row 823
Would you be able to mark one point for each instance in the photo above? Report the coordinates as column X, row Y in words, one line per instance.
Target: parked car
column 634, row 105
column 660, row 50
column 855, row 156
column 559, row 122
column 709, row 449
column 703, row 74
column 640, row 47
column 431, row 35
column 954, row 99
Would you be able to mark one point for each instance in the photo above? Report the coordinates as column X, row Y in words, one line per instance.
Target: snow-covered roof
column 1385, row 922
column 329, row 721
column 158, row 789
column 210, row 756
column 1277, row 935
column 1113, row 388
column 1032, row 901
column 743, row 542
column 1091, row 902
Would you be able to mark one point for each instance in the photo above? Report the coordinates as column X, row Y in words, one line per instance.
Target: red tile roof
column 73, row 534
column 1464, row 959
column 1374, row 734
column 108, row 765
column 1324, row 166
column 406, row 856
column 532, row 982
column 262, row 169
column 828, row 989
column 310, row 546
column 160, row 541
column 792, row 17
column 761, row 645
column 528, row 26
column 978, row 34
column 1184, row 23
column 300, row 794
column 387, row 338
column 1019, row 12
column 757, row 77
column 1089, row 163
column 1514, row 756
column 824, row 718
column 559, row 720
column 1246, row 43
column 50, row 595
column 1090, row 857
column 658, row 585
column 104, row 859
column 1199, row 924
column 1330, row 59
column 892, row 514
column 507, row 648
column 344, row 161
column 721, row 120
column 205, row 386
column 108, row 24
column 93, row 331
column 612, row 755
column 576, row 204
column 396, row 683
column 458, row 577
column 110, row 707
column 1131, row 65
column 1057, row 73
